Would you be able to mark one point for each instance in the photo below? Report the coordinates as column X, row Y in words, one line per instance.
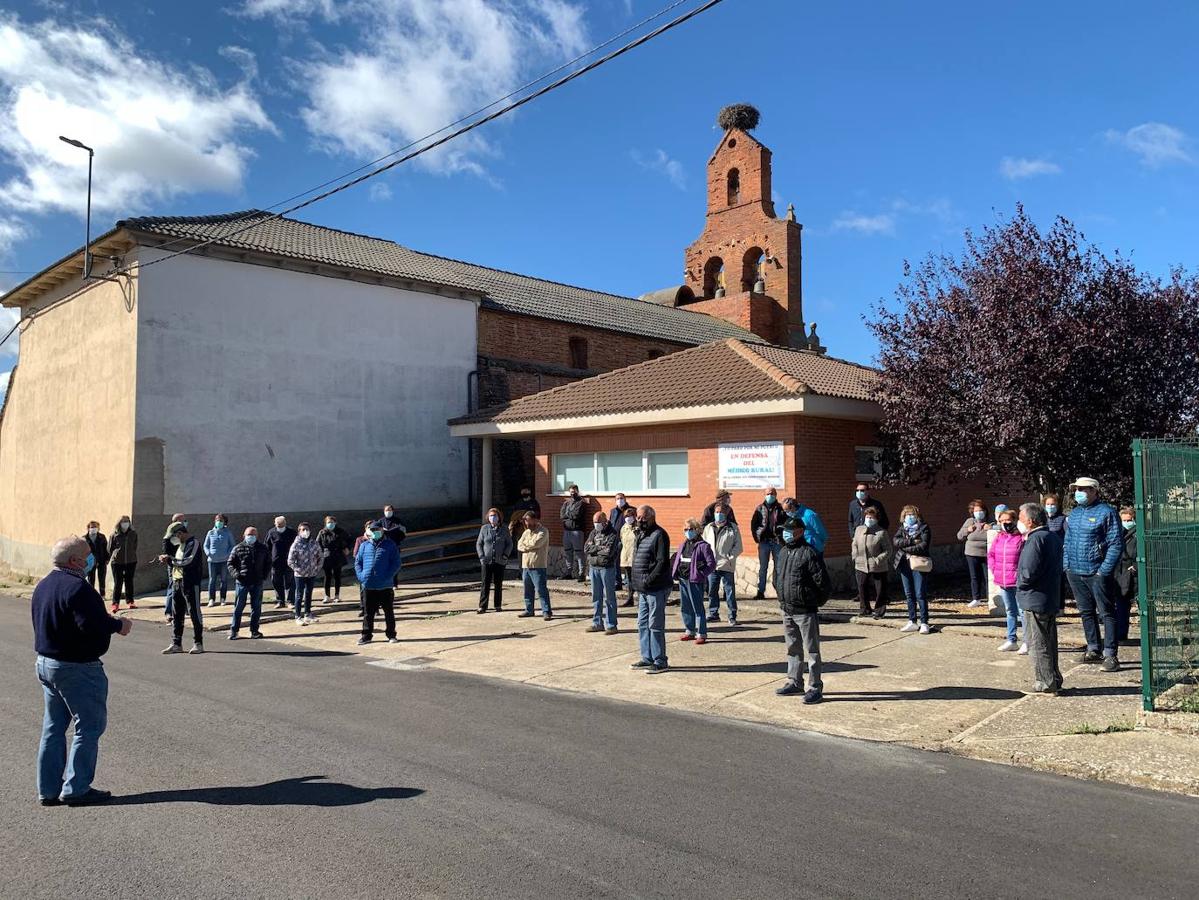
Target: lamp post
column 87, row 245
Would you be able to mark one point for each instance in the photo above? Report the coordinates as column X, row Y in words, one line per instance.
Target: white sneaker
column 924, row 629
column 910, row 627
column 211, row 603
column 1007, row 646
column 974, row 604
column 326, row 601
column 1023, row 651
column 301, row 621
column 310, row 620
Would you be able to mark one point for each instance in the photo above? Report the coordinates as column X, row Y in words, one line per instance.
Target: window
column 753, row 268
column 868, row 463
column 713, row 276
column 578, row 353
column 628, row 471
column 734, row 187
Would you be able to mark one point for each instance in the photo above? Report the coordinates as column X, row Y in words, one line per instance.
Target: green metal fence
column 1166, row 477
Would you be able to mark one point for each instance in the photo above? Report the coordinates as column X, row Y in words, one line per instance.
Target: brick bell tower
column 746, row 266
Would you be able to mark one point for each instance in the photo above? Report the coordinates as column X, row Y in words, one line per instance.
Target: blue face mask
column 330, row 525
column 91, row 564
column 909, row 520
column 1080, row 497
column 1051, row 509
column 218, row 525
column 980, row 515
column 720, row 518
column 770, row 499
column 690, row 534
column 788, row 537
column 861, row 495
column 251, row 539
column 1128, row 524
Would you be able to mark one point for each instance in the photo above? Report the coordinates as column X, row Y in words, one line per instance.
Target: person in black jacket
column 913, row 538
column 765, row 526
column 802, row 584
column 98, row 544
column 250, row 564
column 651, row 580
column 186, row 571
column 723, row 498
column 857, row 509
column 1126, row 573
column 122, row 549
column 526, row 503
column 574, row 523
column 335, row 551
column 602, row 550
column 278, row 541
column 168, row 550
column 1039, row 594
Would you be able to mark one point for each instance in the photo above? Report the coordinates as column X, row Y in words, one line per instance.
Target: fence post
column 1147, row 623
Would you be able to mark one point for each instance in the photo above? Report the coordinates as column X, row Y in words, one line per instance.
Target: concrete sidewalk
column 950, row 691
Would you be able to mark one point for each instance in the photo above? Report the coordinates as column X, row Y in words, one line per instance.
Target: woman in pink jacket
column 1002, row 557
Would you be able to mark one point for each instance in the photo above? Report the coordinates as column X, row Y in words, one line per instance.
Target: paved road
column 260, row 770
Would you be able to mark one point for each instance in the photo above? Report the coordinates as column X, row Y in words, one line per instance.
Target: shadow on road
column 308, row 653
column 307, row 791
column 778, row 668
column 937, row 693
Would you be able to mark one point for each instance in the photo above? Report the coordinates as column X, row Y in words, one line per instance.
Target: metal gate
column 1166, row 479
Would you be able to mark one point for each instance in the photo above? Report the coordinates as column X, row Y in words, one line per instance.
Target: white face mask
column 1022, row 528
column 92, row 532
column 870, row 523
column 304, row 532
column 124, row 526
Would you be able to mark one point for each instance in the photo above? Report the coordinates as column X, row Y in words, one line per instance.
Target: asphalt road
column 260, row 770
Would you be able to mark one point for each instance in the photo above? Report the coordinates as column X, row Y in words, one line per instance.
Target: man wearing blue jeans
column 765, row 527
column 1092, row 549
column 71, row 632
column 651, row 581
column 250, row 563
column 602, row 550
column 534, row 549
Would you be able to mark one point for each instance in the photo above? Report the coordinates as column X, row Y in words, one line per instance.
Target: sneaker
column 233, row 635
column 713, row 617
column 593, row 629
column 196, row 648
column 975, row 604
column 49, row 801
column 364, row 640
column 1023, row 651
column 310, row 620
column 280, row 605
column 611, row 630
column 1007, row 646
column 549, row 617
column 701, row 640
column 789, row 689
column 393, row 640
column 641, row 664
column 814, row 695
column 656, row 669
column 910, row 627
column 210, row 603
column 1092, row 656
column 481, row 610
column 924, row 629
column 115, row 609
column 525, row 615
column 361, row 614
column 326, row 601
column 132, row 605
column 174, row 648
column 1111, row 664
column 256, row 635
column 733, row 623
column 687, row 637
column 301, row 621
column 88, row 798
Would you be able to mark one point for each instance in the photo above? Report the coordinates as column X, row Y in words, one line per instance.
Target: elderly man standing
column 651, row 581
column 1039, row 594
column 278, row 541
column 602, row 549
column 71, row 631
column 1094, row 544
column 250, row 563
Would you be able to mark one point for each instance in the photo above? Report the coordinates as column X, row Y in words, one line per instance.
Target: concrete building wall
column 264, row 390
column 66, row 437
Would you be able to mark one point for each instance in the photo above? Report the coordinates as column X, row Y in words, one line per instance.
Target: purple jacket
column 703, row 562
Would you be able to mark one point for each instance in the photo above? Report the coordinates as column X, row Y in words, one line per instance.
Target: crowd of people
column 1034, row 553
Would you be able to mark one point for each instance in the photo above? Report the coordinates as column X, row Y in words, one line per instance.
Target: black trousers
column 332, row 566
column 284, row 583
column 872, row 586
column 97, row 572
column 122, row 577
column 493, row 575
column 977, row 565
column 377, row 599
column 187, row 600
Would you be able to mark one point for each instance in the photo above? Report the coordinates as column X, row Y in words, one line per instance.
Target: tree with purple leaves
column 1037, row 356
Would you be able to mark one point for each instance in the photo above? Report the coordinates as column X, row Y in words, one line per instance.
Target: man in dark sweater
column 802, row 584
column 278, row 541
column 651, row 581
column 71, row 631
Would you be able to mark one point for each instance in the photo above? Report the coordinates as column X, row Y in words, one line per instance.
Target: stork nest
column 740, row 116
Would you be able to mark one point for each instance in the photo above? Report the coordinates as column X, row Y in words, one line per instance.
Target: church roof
column 258, row 231
column 713, row 374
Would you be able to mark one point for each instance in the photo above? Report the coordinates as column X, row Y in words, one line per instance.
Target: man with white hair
column 71, row 630
column 279, row 540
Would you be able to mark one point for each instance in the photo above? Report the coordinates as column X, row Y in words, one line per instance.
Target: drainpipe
column 470, row 443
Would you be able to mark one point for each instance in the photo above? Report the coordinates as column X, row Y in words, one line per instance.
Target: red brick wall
column 818, row 459
column 762, row 315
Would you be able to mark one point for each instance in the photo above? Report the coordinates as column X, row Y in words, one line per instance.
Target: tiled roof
column 728, row 371
column 254, row 230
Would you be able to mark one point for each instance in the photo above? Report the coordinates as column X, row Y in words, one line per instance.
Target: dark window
column 713, row 276
column 734, row 187
column 578, row 353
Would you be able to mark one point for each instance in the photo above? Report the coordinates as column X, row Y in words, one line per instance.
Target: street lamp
column 87, row 245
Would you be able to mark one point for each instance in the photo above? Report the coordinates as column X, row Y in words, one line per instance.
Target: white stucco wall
column 276, row 390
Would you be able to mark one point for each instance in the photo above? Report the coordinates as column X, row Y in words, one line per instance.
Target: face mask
column 599, row 526
column 1051, row 509
column 280, row 526
column 870, row 523
column 388, row 513
column 330, row 525
column 629, row 520
column 1022, row 528
column 124, row 526
column 909, row 521
column 622, row 502
column 720, row 518
column 980, row 515
column 788, row 536
column 861, row 495
column 176, row 541
column 91, row 532
column 376, row 534
column 218, row 525
column 1128, row 524
column 304, row 532
column 770, row 498
column 91, row 564
column 184, row 523
column 494, row 520
column 690, row 534
column 1080, row 497
column 251, row 538
column 1009, row 527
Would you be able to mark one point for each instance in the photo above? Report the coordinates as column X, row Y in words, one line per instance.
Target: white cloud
column 11, row 231
column 4, row 376
column 414, row 66
column 1016, row 168
column 242, row 58
column 8, row 318
column 659, row 161
column 883, row 223
column 158, row 131
column 1155, row 143
column 379, row 192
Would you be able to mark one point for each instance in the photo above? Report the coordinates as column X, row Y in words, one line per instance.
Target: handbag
column 921, row 564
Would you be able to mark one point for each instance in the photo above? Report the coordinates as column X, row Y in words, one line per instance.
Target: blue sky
column 894, row 127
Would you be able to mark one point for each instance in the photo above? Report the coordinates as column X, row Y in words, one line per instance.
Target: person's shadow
column 309, row 790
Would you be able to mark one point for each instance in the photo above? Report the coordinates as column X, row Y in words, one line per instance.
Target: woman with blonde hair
column 912, row 542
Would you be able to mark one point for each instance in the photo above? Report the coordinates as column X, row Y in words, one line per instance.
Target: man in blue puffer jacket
column 376, row 564
column 1090, row 555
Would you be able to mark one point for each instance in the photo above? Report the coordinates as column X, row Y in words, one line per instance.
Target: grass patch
column 1113, row 728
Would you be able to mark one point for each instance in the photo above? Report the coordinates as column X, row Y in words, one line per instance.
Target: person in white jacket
column 724, row 537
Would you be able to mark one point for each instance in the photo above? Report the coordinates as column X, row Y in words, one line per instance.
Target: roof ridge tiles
column 790, row 382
